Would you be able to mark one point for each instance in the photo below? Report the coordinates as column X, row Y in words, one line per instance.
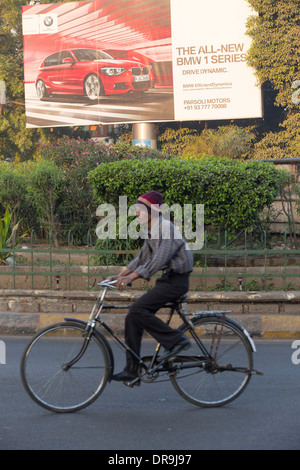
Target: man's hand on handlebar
column 124, row 279
column 122, row 282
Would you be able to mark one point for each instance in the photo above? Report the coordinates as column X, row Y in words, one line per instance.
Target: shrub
column 11, row 187
column 225, row 141
column 13, row 192
column 44, row 187
column 75, row 158
column 10, row 238
column 234, row 193
column 176, row 141
column 66, row 152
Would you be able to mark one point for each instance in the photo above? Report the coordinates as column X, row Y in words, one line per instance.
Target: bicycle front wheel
column 220, row 377
column 61, row 371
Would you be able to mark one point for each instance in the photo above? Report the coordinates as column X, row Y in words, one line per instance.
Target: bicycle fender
column 246, row 333
column 229, row 320
column 109, row 350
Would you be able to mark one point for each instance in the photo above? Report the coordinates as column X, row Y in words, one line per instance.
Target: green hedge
column 234, row 193
column 53, row 193
column 62, row 193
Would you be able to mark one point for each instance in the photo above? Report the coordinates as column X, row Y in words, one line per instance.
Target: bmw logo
column 48, row 21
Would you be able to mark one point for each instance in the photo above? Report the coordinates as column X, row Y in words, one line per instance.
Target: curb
column 263, row 314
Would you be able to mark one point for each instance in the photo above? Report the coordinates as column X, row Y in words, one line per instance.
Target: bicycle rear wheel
column 47, row 373
column 222, row 378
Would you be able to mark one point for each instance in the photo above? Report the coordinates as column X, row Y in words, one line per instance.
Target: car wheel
column 93, row 87
column 41, row 90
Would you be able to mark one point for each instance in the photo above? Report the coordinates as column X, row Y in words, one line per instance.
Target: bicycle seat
column 180, row 299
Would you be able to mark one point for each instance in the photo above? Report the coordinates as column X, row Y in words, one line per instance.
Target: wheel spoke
column 214, row 383
column 64, row 389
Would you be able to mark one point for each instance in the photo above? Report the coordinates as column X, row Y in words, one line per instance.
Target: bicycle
column 77, row 359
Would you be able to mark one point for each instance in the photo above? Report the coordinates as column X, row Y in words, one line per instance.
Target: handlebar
column 107, row 283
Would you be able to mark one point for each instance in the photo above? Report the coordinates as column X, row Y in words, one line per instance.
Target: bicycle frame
column 215, row 371
column 162, row 365
column 151, row 369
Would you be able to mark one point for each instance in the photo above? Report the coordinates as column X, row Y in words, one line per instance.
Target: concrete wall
column 266, row 315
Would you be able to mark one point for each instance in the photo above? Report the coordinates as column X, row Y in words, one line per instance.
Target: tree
column 14, row 139
column 275, row 56
column 225, row 141
column 274, row 52
column 282, row 144
column 17, row 142
column 175, row 141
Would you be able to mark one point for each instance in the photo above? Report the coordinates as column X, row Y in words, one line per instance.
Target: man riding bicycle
column 165, row 250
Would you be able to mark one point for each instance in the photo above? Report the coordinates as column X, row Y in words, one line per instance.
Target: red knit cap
column 152, row 200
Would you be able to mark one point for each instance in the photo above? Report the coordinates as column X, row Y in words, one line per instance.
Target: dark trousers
column 141, row 314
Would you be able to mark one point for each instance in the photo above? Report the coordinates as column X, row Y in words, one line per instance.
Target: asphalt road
column 154, row 417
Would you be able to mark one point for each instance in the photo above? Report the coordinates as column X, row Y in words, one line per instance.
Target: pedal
column 132, row 383
column 166, row 357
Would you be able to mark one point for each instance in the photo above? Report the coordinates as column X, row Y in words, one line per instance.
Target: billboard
column 108, row 62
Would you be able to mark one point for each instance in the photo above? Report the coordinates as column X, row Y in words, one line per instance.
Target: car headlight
column 112, row 71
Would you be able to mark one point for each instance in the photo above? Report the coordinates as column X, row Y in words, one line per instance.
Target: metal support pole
column 143, row 134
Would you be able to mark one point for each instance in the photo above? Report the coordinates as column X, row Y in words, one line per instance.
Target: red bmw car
column 92, row 73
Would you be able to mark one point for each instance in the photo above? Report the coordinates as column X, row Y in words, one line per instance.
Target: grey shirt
column 165, row 249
